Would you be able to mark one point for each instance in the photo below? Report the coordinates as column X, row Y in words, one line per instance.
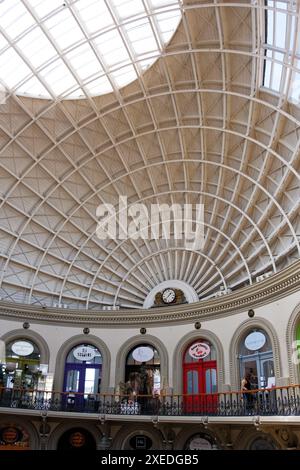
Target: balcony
column 277, row 401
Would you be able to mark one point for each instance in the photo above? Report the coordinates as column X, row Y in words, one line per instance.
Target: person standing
column 247, row 396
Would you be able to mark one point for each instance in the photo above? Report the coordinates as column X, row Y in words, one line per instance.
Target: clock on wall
column 168, row 296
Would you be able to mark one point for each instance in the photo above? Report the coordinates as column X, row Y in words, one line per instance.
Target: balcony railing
column 277, row 401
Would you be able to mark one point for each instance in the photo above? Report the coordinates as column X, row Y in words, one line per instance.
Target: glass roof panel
column 84, row 61
column 94, row 15
column 37, row 47
column 128, row 8
column 80, row 45
column 43, row 7
column 13, row 68
column 112, row 48
column 58, row 77
column 15, row 18
column 64, row 29
column 3, row 42
column 280, row 38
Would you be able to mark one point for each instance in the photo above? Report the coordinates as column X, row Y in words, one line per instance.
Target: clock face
column 168, row 296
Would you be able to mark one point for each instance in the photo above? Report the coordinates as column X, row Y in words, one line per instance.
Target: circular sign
column 199, row 350
column 255, row 341
column 84, row 353
column 143, row 354
column 10, row 435
column 22, row 348
column 199, row 443
column 77, row 439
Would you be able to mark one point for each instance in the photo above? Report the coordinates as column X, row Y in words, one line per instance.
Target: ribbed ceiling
column 198, row 125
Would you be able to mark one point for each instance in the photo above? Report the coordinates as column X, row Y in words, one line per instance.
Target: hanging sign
column 22, row 348
column 143, row 354
column 255, row 341
column 84, row 353
column 199, row 350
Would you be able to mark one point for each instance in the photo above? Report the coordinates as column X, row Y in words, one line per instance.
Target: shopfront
column 76, row 439
column 200, row 377
column 83, row 372
column 142, row 373
column 256, row 359
column 22, row 368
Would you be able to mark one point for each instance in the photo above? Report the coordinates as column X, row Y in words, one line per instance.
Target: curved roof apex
column 197, row 127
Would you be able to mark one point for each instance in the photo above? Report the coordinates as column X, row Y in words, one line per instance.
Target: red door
column 200, row 387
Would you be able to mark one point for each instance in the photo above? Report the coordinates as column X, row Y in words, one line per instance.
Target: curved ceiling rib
column 196, row 126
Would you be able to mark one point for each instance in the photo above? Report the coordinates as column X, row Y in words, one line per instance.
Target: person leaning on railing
column 247, row 395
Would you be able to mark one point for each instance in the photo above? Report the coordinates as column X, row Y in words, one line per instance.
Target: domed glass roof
column 214, row 120
column 75, row 48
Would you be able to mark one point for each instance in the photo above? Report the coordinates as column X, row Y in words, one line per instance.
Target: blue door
column 82, row 383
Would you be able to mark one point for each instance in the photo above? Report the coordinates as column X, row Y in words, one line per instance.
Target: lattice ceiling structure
column 210, row 112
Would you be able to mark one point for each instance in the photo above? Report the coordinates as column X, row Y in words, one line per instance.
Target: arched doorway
column 22, row 368
column 76, row 439
column 262, row 442
column 82, row 377
column 142, row 371
column 200, row 377
column 142, row 380
column 256, row 359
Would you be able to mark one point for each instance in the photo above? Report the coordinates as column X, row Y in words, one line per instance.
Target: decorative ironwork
column 277, row 401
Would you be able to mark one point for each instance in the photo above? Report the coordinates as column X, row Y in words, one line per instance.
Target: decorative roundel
column 199, row 350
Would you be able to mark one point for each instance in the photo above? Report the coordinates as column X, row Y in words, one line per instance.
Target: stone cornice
column 273, row 288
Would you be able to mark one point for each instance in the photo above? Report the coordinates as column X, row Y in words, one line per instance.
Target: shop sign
column 84, row 353
column 255, row 341
column 22, row 348
column 143, row 354
column 199, row 350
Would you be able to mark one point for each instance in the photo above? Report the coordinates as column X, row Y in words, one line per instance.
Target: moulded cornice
column 273, row 288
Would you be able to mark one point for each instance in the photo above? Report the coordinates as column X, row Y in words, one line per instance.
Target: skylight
column 282, row 48
column 75, row 48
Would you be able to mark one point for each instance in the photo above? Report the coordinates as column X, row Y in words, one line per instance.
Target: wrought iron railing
column 277, row 401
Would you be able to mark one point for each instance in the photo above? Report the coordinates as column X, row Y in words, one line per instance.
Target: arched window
column 83, row 370
column 142, row 373
column 22, row 368
column 201, row 441
column 76, row 439
column 256, row 359
column 262, row 443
